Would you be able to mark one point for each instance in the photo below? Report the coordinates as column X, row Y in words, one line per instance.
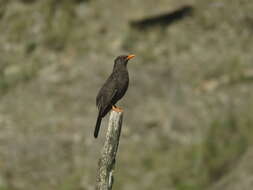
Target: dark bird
column 113, row 89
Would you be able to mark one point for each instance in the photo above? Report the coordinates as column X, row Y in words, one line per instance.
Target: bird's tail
column 99, row 119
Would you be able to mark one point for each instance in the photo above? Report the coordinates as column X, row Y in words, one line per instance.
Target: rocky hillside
column 188, row 121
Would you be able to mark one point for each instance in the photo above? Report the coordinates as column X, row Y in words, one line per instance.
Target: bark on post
column 107, row 161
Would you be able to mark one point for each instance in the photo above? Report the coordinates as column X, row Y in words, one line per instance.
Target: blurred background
column 188, row 111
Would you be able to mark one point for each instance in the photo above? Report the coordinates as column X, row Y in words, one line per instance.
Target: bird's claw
column 117, row 109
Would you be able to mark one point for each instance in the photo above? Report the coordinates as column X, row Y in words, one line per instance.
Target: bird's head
column 123, row 59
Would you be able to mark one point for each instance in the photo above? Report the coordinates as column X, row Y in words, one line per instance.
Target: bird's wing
column 106, row 94
column 105, row 102
column 105, row 99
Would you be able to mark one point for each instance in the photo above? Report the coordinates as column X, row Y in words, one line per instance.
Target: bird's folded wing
column 106, row 99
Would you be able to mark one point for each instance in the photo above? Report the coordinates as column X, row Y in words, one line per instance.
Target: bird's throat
column 120, row 67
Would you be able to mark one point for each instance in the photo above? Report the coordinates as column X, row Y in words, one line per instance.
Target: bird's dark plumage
column 113, row 89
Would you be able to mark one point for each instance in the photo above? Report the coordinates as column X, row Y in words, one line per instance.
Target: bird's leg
column 117, row 109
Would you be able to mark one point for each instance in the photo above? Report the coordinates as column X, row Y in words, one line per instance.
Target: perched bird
column 113, row 89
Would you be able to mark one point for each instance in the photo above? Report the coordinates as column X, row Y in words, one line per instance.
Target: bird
column 113, row 89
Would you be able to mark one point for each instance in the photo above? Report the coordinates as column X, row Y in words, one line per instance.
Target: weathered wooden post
column 108, row 158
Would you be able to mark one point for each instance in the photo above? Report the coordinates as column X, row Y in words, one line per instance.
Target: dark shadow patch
column 162, row 20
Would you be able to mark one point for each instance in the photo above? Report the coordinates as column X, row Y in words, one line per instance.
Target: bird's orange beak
column 130, row 56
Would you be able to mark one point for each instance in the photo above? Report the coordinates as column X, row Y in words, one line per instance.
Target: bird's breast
column 123, row 78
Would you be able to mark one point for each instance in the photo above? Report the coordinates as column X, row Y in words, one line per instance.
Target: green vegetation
column 192, row 81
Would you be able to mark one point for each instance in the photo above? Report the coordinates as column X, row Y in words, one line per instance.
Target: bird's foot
column 117, row 109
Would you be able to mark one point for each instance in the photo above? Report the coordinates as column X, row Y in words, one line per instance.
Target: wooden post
column 107, row 161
